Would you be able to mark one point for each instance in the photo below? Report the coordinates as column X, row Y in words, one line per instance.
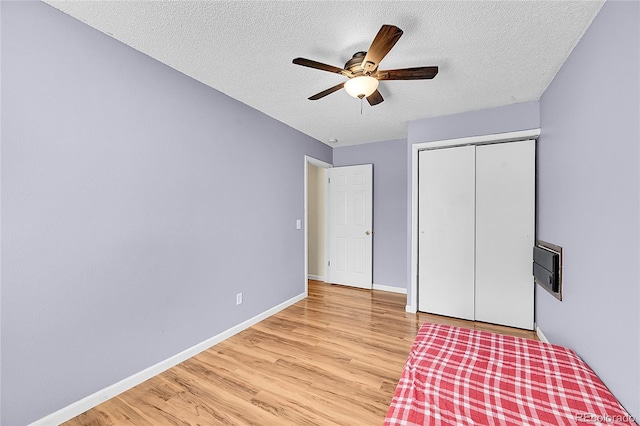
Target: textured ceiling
column 489, row 53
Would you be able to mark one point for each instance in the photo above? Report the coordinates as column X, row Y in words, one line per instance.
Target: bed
column 458, row 376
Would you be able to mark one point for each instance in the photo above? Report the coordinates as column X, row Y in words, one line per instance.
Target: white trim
column 415, row 148
column 316, row 277
column 327, row 251
column 389, row 288
column 79, row 407
column 541, row 335
column 322, row 164
column 411, row 309
column 479, row 140
column 317, row 163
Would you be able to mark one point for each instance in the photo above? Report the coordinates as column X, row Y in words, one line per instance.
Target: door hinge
column 329, row 263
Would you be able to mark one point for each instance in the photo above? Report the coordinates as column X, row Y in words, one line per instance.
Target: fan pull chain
column 361, row 102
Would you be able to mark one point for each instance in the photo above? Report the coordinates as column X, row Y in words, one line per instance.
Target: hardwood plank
column 333, row 358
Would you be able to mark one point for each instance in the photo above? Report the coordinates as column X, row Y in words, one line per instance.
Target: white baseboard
column 389, row 288
column 411, row 309
column 541, row 336
column 315, row 277
column 79, row 407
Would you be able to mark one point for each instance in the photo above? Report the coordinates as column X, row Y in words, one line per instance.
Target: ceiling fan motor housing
column 355, row 63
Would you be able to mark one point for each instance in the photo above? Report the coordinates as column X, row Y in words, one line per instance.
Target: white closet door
column 446, row 231
column 505, row 209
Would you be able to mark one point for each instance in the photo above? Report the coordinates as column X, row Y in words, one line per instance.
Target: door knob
column 368, row 232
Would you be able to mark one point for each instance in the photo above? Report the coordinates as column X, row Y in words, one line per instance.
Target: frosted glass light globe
column 361, row 87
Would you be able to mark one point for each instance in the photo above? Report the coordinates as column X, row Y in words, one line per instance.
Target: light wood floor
column 331, row 359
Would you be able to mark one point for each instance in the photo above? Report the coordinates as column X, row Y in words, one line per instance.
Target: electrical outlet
column 239, row 299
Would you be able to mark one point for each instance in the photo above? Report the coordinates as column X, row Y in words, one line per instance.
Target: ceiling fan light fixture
column 361, row 86
column 362, row 69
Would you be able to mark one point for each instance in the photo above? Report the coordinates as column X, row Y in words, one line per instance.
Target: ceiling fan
column 362, row 69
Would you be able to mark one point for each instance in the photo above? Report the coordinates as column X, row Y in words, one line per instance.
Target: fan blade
column 386, row 38
column 326, row 92
column 418, row 73
column 375, row 98
column 320, row 66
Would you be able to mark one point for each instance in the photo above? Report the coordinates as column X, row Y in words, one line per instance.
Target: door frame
column 318, row 163
column 412, row 299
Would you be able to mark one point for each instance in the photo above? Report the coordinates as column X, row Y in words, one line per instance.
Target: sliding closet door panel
column 446, row 218
column 505, row 208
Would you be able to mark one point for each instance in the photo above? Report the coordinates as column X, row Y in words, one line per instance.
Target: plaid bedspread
column 457, row 376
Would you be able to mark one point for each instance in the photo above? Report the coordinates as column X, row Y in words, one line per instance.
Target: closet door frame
column 412, row 298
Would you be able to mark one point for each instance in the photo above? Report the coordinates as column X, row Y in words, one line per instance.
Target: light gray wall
column 588, row 199
column 509, row 118
column 136, row 203
column 389, row 204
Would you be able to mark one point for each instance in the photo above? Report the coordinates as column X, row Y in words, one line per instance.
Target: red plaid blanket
column 457, row 376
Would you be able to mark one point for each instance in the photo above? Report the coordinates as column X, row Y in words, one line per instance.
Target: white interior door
column 505, row 209
column 446, row 231
column 350, row 225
